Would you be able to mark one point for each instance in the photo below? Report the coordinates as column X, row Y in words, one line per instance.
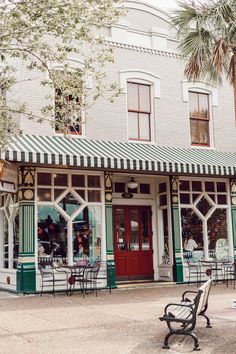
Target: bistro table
column 214, row 266
column 83, row 273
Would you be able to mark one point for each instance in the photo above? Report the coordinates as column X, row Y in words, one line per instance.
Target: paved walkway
column 125, row 322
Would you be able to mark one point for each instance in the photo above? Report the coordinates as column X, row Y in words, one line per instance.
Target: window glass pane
column 15, row 239
column 60, row 179
column 57, row 193
column 163, row 200
column 121, row 230
column 194, row 131
column 193, row 104
column 44, row 179
column 78, row 181
column 185, row 198
column 69, row 204
column 221, row 187
column 165, row 244
column 87, row 231
column 162, row 187
column 145, row 230
column 203, row 105
column 81, row 193
column 94, row 181
column 94, row 196
column 52, row 234
column 44, row 194
column 222, row 199
column 144, row 98
column 134, row 229
column 203, row 132
column 196, row 186
column 184, row 185
column 119, row 187
column 195, row 196
column 209, row 186
column 133, row 125
column 144, row 188
column 192, row 234
column 144, row 126
column 5, row 242
column 133, row 97
column 203, row 206
column 217, row 234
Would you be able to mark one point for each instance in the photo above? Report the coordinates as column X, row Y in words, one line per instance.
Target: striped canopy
column 80, row 152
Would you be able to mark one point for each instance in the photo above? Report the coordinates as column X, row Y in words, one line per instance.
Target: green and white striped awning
column 57, row 150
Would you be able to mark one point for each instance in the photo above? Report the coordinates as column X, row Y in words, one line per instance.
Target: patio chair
column 51, row 276
column 229, row 270
column 194, row 270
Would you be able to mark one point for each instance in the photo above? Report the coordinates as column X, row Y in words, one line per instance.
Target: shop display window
column 69, row 227
column 9, row 232
column 163, row 223
column 204, row 219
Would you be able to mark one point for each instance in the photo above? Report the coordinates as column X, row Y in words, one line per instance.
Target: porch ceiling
column 122, row 156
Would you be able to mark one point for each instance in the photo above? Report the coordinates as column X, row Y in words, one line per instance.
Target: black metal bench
column 184, row 315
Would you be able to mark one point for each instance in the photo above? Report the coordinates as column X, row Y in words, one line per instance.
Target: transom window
column 139, row 111
column 199, row 118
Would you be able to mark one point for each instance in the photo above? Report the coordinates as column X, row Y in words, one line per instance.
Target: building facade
column 145, row 174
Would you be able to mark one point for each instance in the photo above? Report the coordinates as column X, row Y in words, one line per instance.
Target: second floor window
column 199, row 118
column 66, row 111
column 139, row 111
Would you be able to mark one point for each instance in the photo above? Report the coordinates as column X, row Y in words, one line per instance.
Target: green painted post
column 109, row 227
column 178, row 265
column 26, row 274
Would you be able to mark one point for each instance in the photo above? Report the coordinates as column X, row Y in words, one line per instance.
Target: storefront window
column 192, row 234
column 163, row 223
column 52, row 233
column 9, row 231
column 204, row 219
column 217, row 234
column 87, row 234
column 69, row 227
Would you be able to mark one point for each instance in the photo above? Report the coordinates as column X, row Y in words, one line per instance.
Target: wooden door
column 133, row 242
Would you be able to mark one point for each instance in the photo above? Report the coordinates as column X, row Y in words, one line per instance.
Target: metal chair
column 105, row 273
column 194, row 269
column 229, row 270
column 50, row 276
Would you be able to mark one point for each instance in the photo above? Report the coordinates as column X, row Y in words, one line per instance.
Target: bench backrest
column 205, row 288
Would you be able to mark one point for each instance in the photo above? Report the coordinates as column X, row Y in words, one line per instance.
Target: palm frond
column 232, row 69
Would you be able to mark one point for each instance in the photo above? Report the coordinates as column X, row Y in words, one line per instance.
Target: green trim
column 26, row 278
column 109, row 229
column 233, row 213
column 179, row 270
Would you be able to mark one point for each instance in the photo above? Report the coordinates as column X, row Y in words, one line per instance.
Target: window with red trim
column 199, row 118
column 139, row 111
column 60, row 113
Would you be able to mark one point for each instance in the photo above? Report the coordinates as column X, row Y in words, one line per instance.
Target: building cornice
column 143, row 49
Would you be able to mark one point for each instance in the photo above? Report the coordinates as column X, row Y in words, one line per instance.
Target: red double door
column 133, row 242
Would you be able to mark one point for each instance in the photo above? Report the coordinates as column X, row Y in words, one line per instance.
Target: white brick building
column 69, row 186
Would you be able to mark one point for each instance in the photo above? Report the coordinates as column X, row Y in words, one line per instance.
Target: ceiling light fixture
column 132, row 184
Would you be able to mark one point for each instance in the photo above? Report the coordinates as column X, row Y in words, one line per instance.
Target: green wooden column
column 178, row 265
column 233, row 212
column 26, row 275
column 109, row 226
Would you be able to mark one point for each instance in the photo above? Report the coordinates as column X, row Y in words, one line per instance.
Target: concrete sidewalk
column 124, row 322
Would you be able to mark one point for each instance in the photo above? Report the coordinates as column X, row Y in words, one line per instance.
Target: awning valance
column 80, row 152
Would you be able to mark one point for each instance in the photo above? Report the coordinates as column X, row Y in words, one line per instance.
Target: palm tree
column 207, row 34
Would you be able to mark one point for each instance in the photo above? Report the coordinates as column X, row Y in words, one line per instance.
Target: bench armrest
column 188, row 292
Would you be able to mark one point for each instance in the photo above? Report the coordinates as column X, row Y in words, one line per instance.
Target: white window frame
column 146, row 78
column 205, row 218
column 212, row 92
column 68, row 218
